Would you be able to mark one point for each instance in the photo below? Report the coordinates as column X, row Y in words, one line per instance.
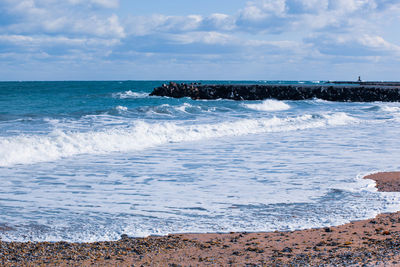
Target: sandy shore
column 368, row 242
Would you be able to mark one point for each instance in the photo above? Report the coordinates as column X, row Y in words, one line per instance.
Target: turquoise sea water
column 88, row 161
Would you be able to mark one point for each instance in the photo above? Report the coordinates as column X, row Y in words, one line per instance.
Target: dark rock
column 287, row 249
column 124, row 236
column 352, row 93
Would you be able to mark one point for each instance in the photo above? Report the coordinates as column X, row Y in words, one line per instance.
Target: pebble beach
column 373, row 242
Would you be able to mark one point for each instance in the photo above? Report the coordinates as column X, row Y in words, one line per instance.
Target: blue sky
column 209, row 39
column 180, row 7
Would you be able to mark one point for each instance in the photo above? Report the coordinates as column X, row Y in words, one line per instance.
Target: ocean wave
column 391, row 109
column 166, row 109
column 130, row 94
column 185, row 107
column 318, row 100
column 121, row 108
column 25, row 149
column 339, row 118
column 194, row 109
column 268, row 105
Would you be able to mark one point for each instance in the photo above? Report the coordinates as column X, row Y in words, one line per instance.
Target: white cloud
column 203, row 37
column 294, row 15
column 260, row 10
column 349, row 6
column 263, row 33
column 218, row 21
column 268, row 16
column 377, row 42
column 101, row 27
column 141, row 25
column 363, row 45
column 266, row 29
column 26, row 41
column 59, row 17
column 99, row 3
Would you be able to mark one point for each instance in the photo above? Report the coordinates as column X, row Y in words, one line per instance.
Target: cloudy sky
column 208, row 39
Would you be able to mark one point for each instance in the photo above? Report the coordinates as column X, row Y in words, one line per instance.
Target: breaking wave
column 268, row 105
column 121, row 108
column 24, row 149
column 130, row 94
column 391, row 109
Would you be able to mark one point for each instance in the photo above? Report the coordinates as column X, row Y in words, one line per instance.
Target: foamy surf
column 391, row 109
column 38, row 148
column 115, row 161
column 130, row 94
column 268, row 105
column 121, row 108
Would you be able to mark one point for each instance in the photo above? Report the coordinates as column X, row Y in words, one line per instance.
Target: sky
column 199, row 40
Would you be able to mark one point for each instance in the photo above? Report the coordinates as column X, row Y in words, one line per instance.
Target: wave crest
column 268, row 105
column 130, row 94
column 25, row 149
column 391, row 109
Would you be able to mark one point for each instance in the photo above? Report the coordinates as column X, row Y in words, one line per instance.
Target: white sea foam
column 163, row 109
column 339, row 118
column 184, row 107
column 130, row 94
column 188, row 108
column 51, row 121
column 391, row 109
column 268, row 105
column 121, row 108
column 318, row 100
column 58, row 144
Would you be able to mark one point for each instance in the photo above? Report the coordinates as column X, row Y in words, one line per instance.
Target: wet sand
column 368, row 242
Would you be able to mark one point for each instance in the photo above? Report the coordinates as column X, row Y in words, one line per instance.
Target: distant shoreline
column 370, row 241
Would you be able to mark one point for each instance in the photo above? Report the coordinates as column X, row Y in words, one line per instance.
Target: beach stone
column 124, row 236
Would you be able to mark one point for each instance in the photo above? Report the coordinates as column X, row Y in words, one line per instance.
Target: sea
column 85, row 161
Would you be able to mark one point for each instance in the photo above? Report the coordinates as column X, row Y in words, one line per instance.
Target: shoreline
column 371, row 241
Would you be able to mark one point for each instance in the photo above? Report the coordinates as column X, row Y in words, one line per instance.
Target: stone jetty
column 331, row 91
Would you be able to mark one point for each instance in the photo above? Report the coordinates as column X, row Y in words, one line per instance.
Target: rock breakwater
column 344, row 93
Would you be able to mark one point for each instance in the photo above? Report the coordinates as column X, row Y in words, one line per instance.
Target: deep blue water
column 87, row 161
